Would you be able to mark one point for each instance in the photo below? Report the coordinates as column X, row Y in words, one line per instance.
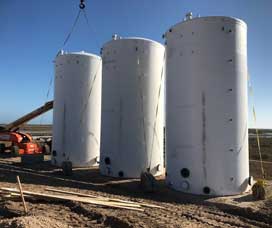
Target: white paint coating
column 77, row 109
column 206, row 119
column 132, row 78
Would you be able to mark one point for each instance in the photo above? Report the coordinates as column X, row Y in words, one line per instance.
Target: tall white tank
column 77, row 109
column 132, row 107
column 206, row 117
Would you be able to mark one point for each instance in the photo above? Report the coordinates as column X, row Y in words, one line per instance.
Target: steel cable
column 47, row 95
column 72, row 29
column 91, row 29
column 64, row 43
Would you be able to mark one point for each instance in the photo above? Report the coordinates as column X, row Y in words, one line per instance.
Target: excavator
column 23, row 143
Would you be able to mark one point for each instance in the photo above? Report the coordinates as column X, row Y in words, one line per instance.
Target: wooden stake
column 103, row 198
column 88, row 195
column 135, row 207
column 21, row 193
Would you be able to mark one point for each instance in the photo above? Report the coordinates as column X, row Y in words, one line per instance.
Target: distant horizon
column 51, row 124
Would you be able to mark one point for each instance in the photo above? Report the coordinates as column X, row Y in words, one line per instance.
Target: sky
column 32, row 32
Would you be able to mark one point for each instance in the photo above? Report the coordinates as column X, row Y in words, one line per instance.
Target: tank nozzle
column 189, row 16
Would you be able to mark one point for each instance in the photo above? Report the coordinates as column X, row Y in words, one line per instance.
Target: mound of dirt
column 32, row 222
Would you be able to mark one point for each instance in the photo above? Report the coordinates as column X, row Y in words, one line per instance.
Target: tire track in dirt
column 100, row 217
column 206, row 216
column 182, row 215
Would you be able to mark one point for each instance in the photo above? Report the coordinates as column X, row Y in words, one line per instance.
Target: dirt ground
column 180, row 210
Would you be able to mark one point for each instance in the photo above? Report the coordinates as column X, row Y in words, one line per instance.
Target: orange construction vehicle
column 23, row 143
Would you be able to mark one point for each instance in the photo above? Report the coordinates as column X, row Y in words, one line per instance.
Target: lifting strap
column 85, row 105
column 157, row 111
column 255, row 124
column 142, row 101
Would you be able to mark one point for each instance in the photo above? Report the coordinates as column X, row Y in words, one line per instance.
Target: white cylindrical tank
column 132, row 107
column 206, row 106
column 77, row 109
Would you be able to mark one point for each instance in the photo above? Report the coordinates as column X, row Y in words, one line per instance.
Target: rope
column 157, row 111
column 255, row 123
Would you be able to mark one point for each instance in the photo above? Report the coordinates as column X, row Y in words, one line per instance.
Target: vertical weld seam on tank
column 63, row 130
column 120, row 126
column 204, row 156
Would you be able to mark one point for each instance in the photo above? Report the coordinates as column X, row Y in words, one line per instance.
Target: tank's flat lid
column 222, row 18
column 212, row 18
column 81, row 53
column 135, row 39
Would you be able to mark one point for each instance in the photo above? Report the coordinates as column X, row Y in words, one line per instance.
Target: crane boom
column 39, row 111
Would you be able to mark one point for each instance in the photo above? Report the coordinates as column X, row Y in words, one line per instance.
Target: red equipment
column 22, row 143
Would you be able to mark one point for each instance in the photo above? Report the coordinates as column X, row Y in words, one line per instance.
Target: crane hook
column 81, row 5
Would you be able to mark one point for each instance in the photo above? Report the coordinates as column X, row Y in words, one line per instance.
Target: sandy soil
column 181, row 210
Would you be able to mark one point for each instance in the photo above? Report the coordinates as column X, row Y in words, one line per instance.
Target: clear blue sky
column 32, row 31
